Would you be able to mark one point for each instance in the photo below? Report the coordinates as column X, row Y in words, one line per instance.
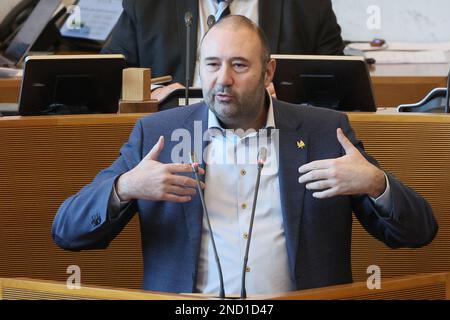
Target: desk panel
column 46, row 159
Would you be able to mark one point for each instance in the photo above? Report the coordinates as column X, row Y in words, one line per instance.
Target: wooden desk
column 406, row 83
column 393, row 84
column 10, row 90
column 417, row 287
column 46, row 159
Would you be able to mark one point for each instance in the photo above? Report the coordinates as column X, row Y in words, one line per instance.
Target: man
column 152, row 34
column 302, row 230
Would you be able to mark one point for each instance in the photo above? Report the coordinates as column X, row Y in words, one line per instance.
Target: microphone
column 188, row 20
column 262, row 156
column 195, row 165
column 211, row 21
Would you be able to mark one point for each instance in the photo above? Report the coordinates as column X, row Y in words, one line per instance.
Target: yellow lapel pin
column 301, row 144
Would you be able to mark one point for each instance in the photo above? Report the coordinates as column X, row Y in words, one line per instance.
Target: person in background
column 152, row 33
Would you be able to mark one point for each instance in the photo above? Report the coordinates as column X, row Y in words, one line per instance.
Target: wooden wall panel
column 44, row 160
column 40, row 166
column 429, row 292
column 417, row 150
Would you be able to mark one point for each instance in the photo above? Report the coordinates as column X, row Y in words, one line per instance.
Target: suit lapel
column 183, row 7
column 193, row 210
column 270, row 20
column 293, row 153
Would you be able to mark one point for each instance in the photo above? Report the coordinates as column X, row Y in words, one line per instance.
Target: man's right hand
column 152, row 180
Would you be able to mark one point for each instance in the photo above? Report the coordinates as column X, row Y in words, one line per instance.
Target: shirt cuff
column 384, row 202
column 115, row 206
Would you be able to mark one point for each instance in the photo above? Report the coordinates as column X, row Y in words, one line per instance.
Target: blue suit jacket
column 318, row 232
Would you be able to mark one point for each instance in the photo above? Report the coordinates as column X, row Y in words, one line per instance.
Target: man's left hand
column 351, row 174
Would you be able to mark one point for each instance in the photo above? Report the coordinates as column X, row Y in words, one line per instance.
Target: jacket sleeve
column 329, row 40
column 411, row 222
column 123, row 38
column 83, row 221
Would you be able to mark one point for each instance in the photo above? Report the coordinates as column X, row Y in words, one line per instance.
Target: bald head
column 237, row 22
column 235, row 69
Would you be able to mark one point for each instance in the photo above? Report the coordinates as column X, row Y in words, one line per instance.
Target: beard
column 235, row 110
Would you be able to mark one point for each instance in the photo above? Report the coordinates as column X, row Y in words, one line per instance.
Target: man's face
column 233, row 76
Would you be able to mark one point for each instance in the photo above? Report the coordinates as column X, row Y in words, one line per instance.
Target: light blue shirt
column 230, row 179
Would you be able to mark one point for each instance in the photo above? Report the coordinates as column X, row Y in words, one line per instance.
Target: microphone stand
column 261, row 160
column 188, row 19
column 195, row 165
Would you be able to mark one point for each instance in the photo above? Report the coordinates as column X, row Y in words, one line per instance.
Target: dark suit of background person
column 152, row 33
column 318, row 231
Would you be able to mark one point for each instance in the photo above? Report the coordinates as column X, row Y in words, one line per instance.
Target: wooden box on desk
column 136, row 84
column 136, row 93
column 138, row 106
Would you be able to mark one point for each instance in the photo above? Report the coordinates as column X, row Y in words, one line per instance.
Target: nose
column 225, row 75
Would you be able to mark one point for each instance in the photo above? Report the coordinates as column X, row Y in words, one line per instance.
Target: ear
column 270, row 71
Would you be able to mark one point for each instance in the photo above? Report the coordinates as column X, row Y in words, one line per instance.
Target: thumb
column 156, row 150
column 345, row 143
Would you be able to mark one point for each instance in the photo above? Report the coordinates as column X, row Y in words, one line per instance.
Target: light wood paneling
column 10, row 90
column 28, row 289
column 415, row 287
column 46, row 159
column 416, row 149
column 393, row 91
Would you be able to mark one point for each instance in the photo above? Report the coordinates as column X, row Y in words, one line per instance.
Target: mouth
column 224, row 97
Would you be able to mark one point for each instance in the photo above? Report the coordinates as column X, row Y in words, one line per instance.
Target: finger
column 182, row 168
column 316, row 165
column 183, row 181
column 326, row 194
column 156, row 150
column 345, row 142
column 314, row 175
column 320, row 185
column 178, row 168
column 180, row 191
column 173, row 198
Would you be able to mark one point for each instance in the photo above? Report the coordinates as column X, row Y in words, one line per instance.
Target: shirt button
column 243, row 172
column 244, row 206
column 246, row 236
column 247, row 269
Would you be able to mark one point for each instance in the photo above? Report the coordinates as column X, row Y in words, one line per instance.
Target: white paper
column 403, row 46
column 413, row 57
column 400, row 46
column 92, row 19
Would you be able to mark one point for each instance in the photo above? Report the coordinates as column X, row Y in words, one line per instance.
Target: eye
column 239, row 66
column 212, row 65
